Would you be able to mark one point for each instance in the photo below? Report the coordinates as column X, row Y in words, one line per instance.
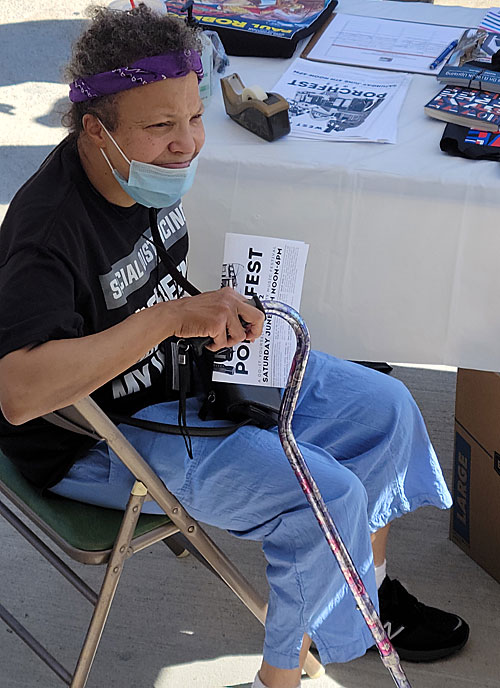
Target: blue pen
column 440, row 58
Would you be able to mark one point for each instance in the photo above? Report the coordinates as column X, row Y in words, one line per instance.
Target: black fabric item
column 459, row 141
column 419, row 633
column 495, row 62
column 71, row 265
column 245, row 43
column 381, row 366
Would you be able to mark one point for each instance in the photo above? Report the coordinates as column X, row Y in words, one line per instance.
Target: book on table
column 472, row 75
column 468, row 107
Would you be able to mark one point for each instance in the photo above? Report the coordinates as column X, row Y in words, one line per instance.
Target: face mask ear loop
column 116, row 145
column 107, row 159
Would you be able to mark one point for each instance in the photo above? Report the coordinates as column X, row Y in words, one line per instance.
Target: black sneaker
column 419, row 633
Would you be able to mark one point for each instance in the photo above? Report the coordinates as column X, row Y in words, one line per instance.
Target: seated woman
column 87, row 308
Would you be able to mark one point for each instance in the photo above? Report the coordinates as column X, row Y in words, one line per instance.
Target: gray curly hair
column 117, row 38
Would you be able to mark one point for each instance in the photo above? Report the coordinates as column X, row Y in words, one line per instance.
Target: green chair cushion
column 84, row 526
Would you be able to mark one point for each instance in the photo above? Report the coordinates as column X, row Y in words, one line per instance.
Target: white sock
column 258, row 683
column 380, row 573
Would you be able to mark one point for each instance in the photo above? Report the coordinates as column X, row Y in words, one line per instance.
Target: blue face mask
column 150, row 185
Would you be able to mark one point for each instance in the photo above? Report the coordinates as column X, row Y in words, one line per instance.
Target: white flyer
column 272, row 269
column 337, row 103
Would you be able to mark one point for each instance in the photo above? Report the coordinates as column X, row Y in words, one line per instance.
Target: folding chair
column 94, row 535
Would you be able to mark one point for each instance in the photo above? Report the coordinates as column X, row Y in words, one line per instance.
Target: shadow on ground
column 35, row 44
column 20, row 162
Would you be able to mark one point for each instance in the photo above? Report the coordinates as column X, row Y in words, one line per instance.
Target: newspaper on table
column 272, row 269
column 337, row 103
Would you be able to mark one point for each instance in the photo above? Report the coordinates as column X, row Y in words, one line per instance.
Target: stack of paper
column 337, row 103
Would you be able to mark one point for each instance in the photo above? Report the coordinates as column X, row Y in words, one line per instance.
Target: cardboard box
column 475, row 514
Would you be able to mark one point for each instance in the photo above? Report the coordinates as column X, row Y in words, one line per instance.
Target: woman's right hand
column 218, row 315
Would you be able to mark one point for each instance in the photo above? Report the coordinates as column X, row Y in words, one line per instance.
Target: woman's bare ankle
column 271, row 677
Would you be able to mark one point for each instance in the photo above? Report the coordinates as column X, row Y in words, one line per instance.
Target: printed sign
column 461, row 487
column 271, row 269
column 277, row 18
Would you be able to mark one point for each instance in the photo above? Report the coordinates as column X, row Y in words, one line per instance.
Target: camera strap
column 183, row 361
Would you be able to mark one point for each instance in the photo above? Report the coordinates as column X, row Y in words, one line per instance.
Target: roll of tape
column 253, row 92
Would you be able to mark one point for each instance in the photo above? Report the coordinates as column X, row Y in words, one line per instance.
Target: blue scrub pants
column 366, row 445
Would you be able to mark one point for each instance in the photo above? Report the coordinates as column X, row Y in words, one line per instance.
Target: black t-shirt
column 473, row 144
column 72, row 264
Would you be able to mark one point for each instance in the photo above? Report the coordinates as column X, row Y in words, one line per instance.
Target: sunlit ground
column 224, row 672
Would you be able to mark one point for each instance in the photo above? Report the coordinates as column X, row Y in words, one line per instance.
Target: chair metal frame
column 86, row 416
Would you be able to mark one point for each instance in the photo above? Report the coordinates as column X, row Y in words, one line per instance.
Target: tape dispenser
column 264, row 114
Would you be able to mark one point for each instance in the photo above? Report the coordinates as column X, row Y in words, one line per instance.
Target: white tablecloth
column 404, row 239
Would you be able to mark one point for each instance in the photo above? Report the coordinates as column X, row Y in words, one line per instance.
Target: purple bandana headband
column 140, row 73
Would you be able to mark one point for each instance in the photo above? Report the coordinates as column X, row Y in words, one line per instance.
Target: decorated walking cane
column 387, row 652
